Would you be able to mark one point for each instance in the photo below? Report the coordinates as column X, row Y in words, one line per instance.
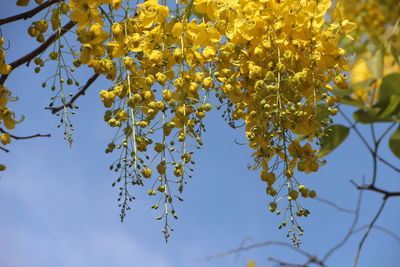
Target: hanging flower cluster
column 7, row 117
column 269, row 64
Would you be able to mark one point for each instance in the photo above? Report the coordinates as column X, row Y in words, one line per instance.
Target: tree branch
column 257, row 245
column 28, row 14
column 4, row 149
column 387, row 163
column 372, row 187
column 360, row 245
column 332, row 204
column 28, row 57
column 349, row 232
column 284, row 263
column 81, row 92
column 380, row 228
column 353, row 126
column 25, row 137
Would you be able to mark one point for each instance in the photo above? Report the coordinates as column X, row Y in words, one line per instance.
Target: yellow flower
column 151, row 12
column 146, row 172
column 5, row 138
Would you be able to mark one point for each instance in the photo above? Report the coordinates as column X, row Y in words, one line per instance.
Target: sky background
column 57, row 206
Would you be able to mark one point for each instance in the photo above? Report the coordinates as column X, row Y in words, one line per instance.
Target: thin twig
column 249, row 238
column 330, row 203
column 28, row 57
column 284, row 263
column 380, row 228
column 349, row 232
column 256, row 245
column 386, row 132
column 387, row 163
column 81, row 92
column 353, row 126
column 360, row 245
column 25, row 137
column 28, row 14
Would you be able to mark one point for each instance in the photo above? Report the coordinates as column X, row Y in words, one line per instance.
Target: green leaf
column 301, row 137
column 395, row 53
column 394, row 142
column 336, row 135
column 346, row 100
column 369, row 116
column 388, row 106
column 391, row 31
column 375, row 64
column 390, row 86
column 323, row 112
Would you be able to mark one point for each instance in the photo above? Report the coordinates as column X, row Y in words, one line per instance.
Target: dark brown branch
column 372, row 187
column 28, row 57
column 81, row 92
column 360, row 245
column 312, row 259
column 4, row 149
column 25, row 137
column 28, row 14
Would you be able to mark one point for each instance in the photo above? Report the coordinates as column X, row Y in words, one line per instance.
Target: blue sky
column 58, row 207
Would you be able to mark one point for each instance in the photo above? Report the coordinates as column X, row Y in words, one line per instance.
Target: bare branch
column 372, row 187
column 4, row 149
column 28, row 57
column 349, row 232
column 257, row 245
column 81, row 92
column 312, row 259
column 25, row 137
column 332, row 204
column 353, row 126
column 249, row 238
column 28, row 14
column 380, row 228
column 390, row 165
column 360, row 245
column 284, row 263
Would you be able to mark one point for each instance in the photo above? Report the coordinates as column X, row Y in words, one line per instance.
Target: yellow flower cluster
column 376, row 32
column 371, row 16
column 7, row 117
column 4, row 68
column 270, row 63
